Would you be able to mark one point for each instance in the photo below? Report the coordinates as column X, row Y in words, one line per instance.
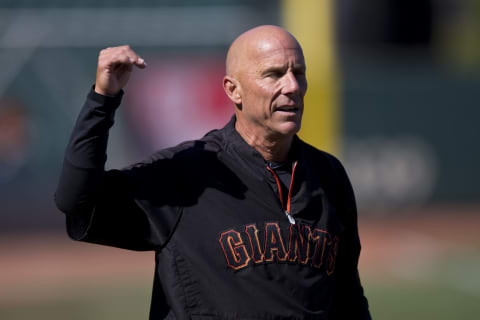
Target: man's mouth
column 287, row 109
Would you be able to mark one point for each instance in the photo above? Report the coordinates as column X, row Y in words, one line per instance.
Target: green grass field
column 410, row 301
column 388, row 300
column 95, row 302
column 449, row 291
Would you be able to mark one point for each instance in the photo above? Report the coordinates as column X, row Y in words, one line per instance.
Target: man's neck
column 272, row 148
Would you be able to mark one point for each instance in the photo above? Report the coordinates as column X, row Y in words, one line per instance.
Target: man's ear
column 232, row 89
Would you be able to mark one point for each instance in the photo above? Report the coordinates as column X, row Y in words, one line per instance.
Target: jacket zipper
column 287, row 210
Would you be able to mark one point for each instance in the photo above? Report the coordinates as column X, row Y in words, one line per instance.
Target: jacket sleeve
column 99, row 206
column 349, row 301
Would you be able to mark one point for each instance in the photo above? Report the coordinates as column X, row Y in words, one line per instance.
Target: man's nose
column 291, row 84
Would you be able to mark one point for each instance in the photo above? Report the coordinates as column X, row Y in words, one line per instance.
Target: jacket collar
column 234, row 143
column 252, row 161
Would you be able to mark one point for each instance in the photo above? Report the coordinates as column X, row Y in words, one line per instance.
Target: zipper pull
column 290, row 217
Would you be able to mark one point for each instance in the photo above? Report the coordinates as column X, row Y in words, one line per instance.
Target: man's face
column 273, row 85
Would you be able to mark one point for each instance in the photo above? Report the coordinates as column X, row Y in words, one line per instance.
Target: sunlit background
column 393, row 92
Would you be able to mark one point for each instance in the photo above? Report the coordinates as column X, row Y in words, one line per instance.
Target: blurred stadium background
column 393, row 91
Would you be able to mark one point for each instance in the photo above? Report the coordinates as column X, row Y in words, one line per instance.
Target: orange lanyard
column 287, row 211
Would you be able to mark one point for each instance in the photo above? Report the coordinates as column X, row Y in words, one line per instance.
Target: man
column 248, row 222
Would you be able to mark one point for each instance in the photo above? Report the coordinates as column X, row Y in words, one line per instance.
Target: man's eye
column 274, row 74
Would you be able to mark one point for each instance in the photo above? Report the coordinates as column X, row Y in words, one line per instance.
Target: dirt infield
column 31, row 264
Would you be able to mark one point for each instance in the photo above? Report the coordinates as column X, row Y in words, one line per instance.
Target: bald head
column 266, row 81
column 254, row 42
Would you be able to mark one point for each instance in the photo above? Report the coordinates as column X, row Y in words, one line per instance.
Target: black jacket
column 211, row 210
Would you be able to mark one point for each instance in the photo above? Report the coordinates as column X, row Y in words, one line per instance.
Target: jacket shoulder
column 187, row 151
column 320, row 155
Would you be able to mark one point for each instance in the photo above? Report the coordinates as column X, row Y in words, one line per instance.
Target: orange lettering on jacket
column 315, row 248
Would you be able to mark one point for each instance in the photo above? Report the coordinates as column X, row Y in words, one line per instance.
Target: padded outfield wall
column 396, row 93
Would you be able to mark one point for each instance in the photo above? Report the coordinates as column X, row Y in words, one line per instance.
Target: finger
column 125, row 61
column 112, row 58
column 122, row 67
column 131, row 59
column 117, row 55
column 140, row 63
column 110, row 61
column 134, row 57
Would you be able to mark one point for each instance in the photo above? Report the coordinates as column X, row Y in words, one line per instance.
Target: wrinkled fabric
column 209, row 208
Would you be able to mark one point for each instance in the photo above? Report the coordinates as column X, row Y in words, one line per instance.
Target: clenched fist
column 114, row 68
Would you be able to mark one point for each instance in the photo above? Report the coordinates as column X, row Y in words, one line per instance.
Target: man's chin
column 289, row 128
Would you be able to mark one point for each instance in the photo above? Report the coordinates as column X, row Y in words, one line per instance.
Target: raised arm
column 84, row 186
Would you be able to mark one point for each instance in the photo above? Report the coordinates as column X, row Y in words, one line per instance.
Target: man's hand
column 114, row 68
